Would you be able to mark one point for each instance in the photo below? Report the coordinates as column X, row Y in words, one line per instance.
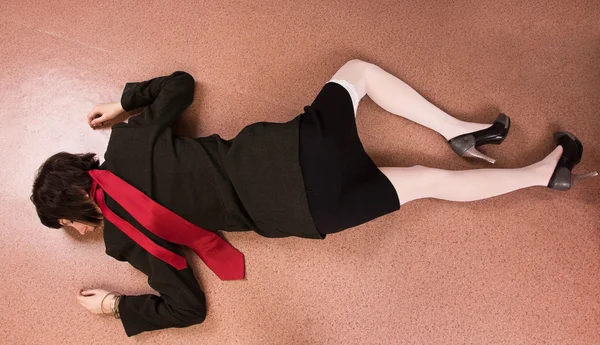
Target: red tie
column 220, row 256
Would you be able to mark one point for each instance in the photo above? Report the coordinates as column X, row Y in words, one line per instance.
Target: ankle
column 544, row 169
column 542, row 173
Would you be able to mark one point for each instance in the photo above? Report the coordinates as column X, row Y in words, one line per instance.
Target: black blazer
column 251, row 182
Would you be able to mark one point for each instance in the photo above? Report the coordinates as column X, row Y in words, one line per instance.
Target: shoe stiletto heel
column 466, row 145
column 472, row 152
column 563, row 178
column 579, row 177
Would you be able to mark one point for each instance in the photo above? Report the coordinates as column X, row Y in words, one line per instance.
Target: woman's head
column 60, row 192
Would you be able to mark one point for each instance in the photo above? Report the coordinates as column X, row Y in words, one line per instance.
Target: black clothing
column 343, row 186
column 181, row 302
column 252, row 182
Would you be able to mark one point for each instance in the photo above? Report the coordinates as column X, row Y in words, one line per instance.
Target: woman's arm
column 181, row 303
column 165, row 97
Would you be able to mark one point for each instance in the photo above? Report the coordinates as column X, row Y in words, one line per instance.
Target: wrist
column 106, row 303
column 120, row 107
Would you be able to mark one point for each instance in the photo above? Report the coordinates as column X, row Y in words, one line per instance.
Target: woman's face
column 81, row 228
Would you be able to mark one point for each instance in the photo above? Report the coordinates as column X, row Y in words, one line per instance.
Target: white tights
column 392, row 94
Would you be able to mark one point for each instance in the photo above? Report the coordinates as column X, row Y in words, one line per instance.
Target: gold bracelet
column 102, row 303
column 115, row 308
column 112, row 303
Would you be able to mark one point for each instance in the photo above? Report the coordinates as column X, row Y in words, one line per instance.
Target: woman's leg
column 420, row 182
column 395, row 96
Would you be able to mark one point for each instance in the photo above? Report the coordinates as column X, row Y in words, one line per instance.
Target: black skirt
column 344, row 187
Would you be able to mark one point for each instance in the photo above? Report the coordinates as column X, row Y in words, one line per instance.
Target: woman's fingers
column 93, row 114
column 85, row 302
column 89, row 292
column 97, row 115
column 92, row 299
column 104, row 112
column 82, row 301
column 98, row 120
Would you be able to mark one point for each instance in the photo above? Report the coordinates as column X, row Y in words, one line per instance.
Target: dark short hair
column 60, row 187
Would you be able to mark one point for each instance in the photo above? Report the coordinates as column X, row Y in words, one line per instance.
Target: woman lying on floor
column 309, row 177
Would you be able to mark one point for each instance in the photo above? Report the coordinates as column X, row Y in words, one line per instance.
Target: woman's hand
column 104, row 112
column 91, row 299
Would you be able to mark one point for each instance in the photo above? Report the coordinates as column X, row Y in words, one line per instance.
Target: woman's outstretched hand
column 92, row 299
column 104, row 112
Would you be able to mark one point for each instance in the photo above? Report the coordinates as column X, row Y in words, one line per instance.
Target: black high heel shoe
column 562, row 178
column 466, row 145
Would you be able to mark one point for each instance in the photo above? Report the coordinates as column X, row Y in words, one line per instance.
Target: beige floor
column 522, row 268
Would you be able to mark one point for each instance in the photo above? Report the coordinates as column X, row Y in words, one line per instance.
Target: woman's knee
column 356, row 68
column 355, row 72
column 356, row 63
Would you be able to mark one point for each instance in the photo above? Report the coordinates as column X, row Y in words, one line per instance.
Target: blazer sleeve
column 165, row 98
column 181, row 303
